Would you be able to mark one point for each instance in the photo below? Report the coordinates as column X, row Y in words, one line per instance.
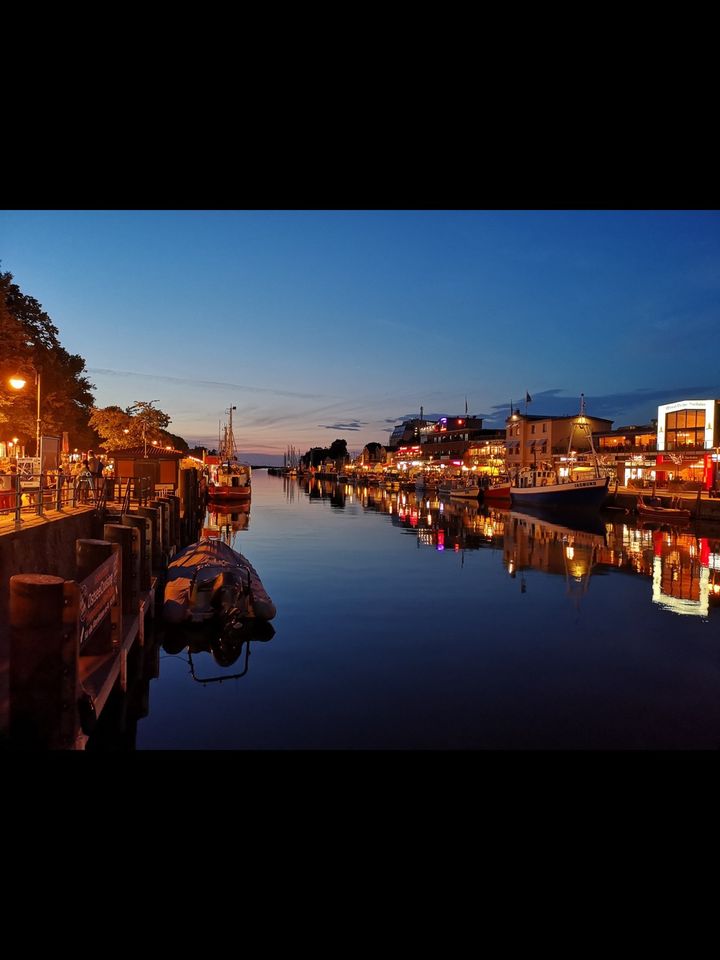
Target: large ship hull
column 575, row 493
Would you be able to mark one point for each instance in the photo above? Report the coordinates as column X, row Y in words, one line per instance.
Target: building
column 158, row 464
column 450, row 440
column 532, row 440
column 688, row 443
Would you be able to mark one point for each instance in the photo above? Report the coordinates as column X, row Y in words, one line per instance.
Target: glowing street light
column 17, row 382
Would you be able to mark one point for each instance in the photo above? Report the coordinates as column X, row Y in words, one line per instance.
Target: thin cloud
column 354, row 425
column 208, row 383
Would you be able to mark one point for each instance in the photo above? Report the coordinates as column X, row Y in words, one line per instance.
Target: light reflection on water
column 415, row 623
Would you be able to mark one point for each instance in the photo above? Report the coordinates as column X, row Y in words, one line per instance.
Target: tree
column 135, row 426
column 29, row 342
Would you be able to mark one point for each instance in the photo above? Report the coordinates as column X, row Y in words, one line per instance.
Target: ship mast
column 581, row 423
column 229, row 450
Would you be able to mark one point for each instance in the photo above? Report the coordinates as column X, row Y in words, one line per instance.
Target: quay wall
column 47, row 546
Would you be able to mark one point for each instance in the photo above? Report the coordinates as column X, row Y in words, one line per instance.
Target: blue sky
column 325, row 324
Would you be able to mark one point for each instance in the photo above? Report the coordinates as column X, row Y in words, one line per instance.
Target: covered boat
column 210, row 580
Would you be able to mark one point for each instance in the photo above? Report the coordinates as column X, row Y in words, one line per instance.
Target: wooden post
column 170, row 520
column 175, row 505
column 89, row 554
column 43, row 662
column 153, row 515
column 164, row 508
column 128, row 538
column 144, row 529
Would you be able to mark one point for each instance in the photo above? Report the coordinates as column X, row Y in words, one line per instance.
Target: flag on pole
column 528, row 398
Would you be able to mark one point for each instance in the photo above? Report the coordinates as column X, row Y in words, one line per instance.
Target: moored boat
column 209, row 580
column 542, row 486
column 653, row 511
column 230, row 480
column 459, row 488
column 500, row 490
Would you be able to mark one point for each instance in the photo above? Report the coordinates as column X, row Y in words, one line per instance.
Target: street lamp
column 17, row 383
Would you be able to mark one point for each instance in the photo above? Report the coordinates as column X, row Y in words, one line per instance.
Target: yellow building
column 531, row 440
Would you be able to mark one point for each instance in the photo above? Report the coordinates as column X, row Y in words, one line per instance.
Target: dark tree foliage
column 337, row 451
column 29, row 342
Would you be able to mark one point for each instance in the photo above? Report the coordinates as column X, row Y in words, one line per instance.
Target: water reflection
column 226, row 524
column 683, row 565
column 225, row 647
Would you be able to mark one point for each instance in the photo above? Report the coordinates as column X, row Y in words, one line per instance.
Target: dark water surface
column 452, row 626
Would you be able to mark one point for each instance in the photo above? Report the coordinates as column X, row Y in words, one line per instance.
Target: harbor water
column 408, row 622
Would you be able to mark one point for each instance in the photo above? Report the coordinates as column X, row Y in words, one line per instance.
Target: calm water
column 414, row 626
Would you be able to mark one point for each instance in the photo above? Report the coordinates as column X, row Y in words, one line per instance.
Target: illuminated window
column 685, row 429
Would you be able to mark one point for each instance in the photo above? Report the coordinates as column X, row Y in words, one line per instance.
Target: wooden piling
column 153, row 515
column 129, row 540
column 164, row 507
column 143, row 526
column 43, row 662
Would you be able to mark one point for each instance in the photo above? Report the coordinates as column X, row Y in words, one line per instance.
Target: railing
column 33, row 494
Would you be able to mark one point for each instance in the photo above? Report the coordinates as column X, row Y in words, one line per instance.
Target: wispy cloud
column 207, row 383
column 353, row 425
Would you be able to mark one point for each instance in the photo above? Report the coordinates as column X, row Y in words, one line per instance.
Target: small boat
column 654, row 511
column 209, row 580
column 500, row 490
column 459, row 488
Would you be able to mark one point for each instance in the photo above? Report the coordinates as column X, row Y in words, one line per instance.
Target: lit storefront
column 688, row 443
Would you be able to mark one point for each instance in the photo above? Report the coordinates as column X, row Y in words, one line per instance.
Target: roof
column 153, row 453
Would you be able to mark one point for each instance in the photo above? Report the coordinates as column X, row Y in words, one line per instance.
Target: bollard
column 154, row 516
column 144, row 529
column 128, row 538
column 164, row 507
column 175, row 505
column 43, row 663
column 170, row 524
column 89, row 555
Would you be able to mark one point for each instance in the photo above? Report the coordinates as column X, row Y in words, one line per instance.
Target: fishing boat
column 230, row 480
column 210, row 581
column 656, row 512
column 542, row 486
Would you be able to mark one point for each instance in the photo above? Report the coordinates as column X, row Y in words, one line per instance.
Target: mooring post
column 144, row 528
column 164, row 508
column 152, row 515
column 43, row 662
column 128, row 538
column 89, row 555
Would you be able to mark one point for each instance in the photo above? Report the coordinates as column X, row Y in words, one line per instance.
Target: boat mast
column 580, row 423
column 230, row 449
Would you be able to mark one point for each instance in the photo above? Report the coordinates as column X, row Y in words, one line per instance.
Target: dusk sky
column 320, row 325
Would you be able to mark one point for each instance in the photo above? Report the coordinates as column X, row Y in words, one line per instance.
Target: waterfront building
column 688, row 442
column 681, row 449
column 407, row 433
column 531, row 440
column 458, row 442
